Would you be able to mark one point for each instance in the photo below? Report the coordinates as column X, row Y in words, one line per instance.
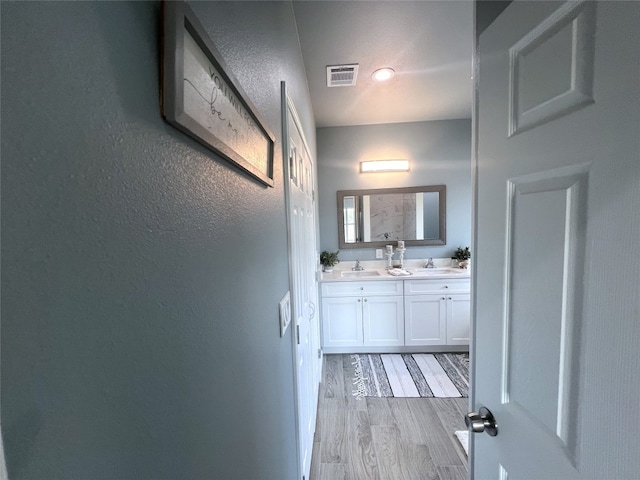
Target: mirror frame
column 442, row 214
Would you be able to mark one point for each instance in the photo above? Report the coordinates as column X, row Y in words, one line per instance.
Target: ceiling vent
column 342, row 75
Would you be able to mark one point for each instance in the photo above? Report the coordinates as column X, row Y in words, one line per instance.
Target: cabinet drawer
column 350, row 289
column 417, row 287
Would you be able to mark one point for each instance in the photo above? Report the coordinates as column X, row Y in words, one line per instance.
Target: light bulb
column 383, row 74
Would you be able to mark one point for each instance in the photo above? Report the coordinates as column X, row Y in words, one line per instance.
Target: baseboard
column 411, row 349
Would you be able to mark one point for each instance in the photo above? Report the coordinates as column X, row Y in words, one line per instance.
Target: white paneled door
column 300, row 192
column 557, row 302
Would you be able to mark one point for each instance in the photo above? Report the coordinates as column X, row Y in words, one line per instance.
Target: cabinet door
column 425, row 320
column 383, row 321
column 342, row 321
column 458, row 319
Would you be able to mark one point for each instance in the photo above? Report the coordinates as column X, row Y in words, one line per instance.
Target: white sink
column 361, row 273
column 438, row 271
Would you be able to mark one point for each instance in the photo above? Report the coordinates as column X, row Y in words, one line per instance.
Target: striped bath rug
column 442, row 375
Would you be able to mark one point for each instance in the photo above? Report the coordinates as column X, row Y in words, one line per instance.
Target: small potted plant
column 462, row 255
column 328, row 260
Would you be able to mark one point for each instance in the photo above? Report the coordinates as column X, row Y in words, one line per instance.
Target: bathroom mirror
column 379, row 217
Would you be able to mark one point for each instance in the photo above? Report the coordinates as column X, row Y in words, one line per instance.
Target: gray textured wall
column 140, row 273
column 439, row 152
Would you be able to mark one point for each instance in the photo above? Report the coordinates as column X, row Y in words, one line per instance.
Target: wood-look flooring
column 384, row 438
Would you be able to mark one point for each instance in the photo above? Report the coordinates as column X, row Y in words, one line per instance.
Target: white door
column 300, row 188
column 557, row 302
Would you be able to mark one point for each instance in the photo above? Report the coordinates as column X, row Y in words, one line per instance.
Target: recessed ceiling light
column 383, row 74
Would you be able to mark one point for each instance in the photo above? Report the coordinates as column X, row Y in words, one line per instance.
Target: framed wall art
column 202, row 98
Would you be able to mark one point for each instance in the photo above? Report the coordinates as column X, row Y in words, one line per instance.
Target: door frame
column 474, row 233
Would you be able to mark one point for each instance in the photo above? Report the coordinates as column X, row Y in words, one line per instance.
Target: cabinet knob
column 358, row 300
column 361, row 288
column 443, row 298
column 449, row 298
column 365, row 299
column 446, row 286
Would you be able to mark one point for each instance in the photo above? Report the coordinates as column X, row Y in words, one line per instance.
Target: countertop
column 378, row 274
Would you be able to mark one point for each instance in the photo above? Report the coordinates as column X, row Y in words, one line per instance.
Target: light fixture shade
column 371, row 166
column 383, row 74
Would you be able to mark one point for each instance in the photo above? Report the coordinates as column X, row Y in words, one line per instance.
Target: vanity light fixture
column 371, row 166
column 383, row 74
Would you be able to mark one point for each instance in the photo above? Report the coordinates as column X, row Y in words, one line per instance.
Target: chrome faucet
column 358, row 267
column 430, row 264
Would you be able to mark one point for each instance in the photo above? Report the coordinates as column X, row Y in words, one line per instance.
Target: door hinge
column 319, row 353
column 298, row 333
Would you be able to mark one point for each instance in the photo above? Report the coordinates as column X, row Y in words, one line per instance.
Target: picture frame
column 201, row 97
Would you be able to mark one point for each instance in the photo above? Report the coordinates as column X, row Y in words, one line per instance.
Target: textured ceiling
column 428, row 43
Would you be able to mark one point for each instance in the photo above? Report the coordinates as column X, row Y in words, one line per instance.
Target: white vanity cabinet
column 437, row 312
column 362, row 314
column 426, row 319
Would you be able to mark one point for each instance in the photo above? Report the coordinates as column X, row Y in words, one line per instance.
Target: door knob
column 482, row 421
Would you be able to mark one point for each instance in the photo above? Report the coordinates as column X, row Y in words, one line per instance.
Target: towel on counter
column 399, row 272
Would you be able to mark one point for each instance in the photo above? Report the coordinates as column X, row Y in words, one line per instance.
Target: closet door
column 299, row 171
